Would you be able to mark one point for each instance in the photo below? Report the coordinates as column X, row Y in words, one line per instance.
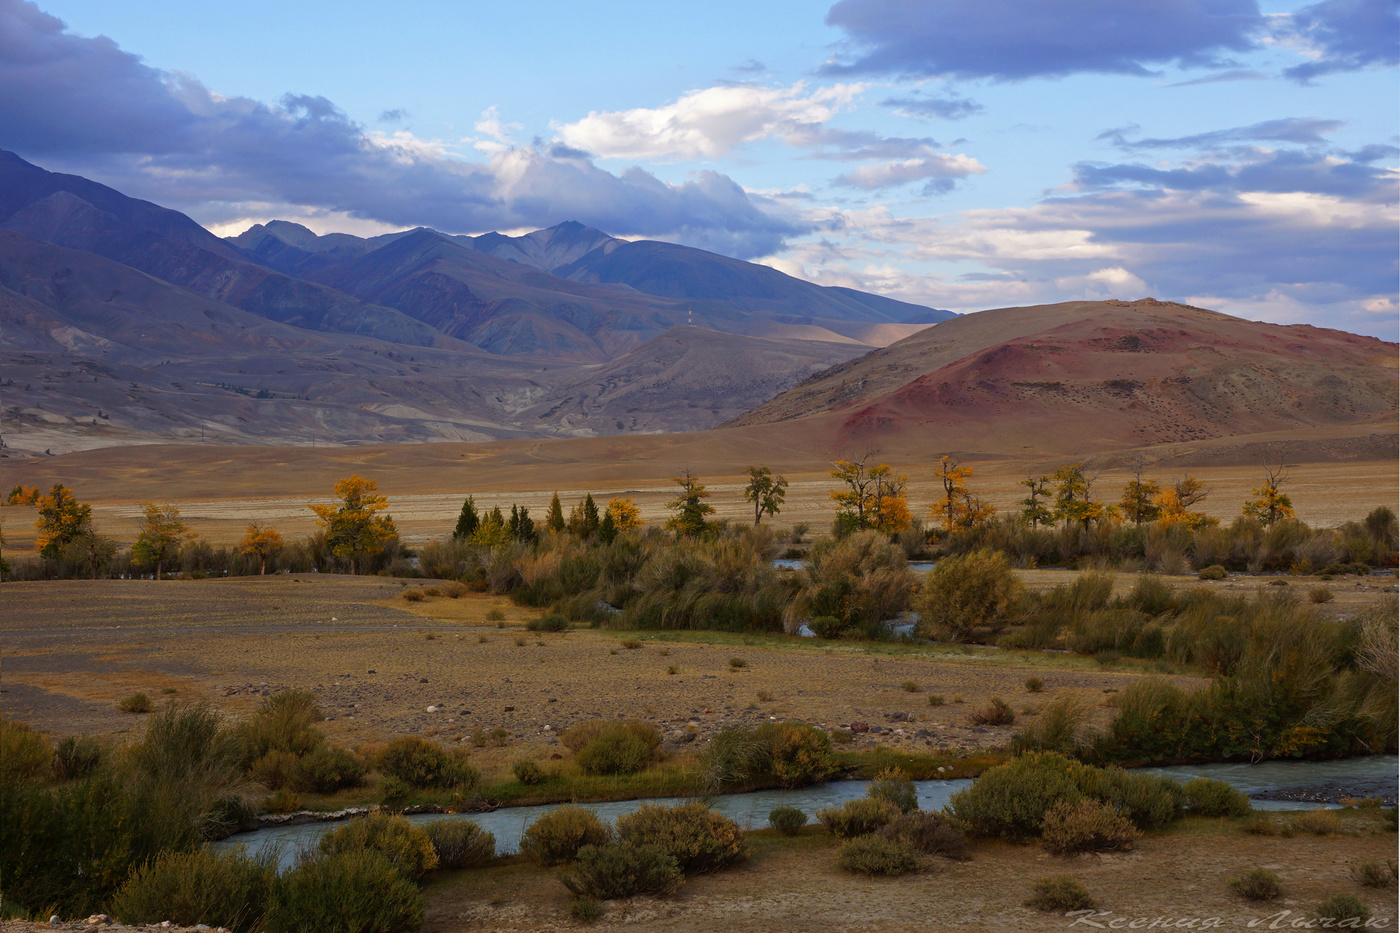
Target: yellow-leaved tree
column 625, row 514
column 957, row 509
column 264, row 544
column 161, row 537
column 62, row 519
column 354, row 528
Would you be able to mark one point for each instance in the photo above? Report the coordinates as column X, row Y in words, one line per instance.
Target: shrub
column 1320, row 594
column 736, row 663
column 1371, row 875
column 275, row 770
column 965, row 592
column 420, row 763
column 24, row 753
column 527, row 772
column 551, row 622
column 1060, row 894
column 408, row 848
column 787, row 820
column 1213, row 572
column 996, row 713
column 698, row 838
column 1261, row 824
column 282, row 723
column 1011, row 800
column 858, row 817
column 329, row 768
column 859, row 580
column 495, row 615
column 1318, row 822
column 460, row 843
column 1258, row 884
column 284, row 801
column 354, row 892
column 894, row 785
column 909, row 686
column 229, row 889
column 1149, row 801
column 794, row 753
column 618, row 748
column 1340, row 908
column 1058, row 728
column 929, row 833
column 136, row 703
column 1086, row 826
column 1034, row 685
column 935, row 699
column 826, row 627
column 621, row 870
column 76, row 757
column 1151, row 596
column 877, row 855
column 557, row 836
column 1215, row 798
column 413, row 596
column 585, row 908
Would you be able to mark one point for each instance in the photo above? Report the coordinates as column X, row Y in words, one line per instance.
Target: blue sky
column 964, row 154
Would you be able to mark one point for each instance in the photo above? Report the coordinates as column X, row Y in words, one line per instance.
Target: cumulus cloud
column 83, row 104
column 1345, row 35
column 1015, row 39
column 706, row 123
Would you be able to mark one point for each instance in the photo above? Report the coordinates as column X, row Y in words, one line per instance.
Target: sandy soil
column 795, row 886
column 73, row 649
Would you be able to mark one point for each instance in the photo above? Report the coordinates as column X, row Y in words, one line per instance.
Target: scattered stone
column 860, row 727
column 431, row 709
column 98, row 920
column 374, row 672
column 508, row 709
column 422, row 680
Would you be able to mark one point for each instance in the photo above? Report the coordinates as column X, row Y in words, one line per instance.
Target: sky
column 961, row 154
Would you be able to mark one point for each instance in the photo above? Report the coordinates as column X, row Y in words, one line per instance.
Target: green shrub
column 1213, row 572
column 1151, row 596
column 894, row 785
column 585, row 908
column 460, row 843
column 408, row 848
column 1086, row 826
column 413, row 596
column 328, row 768
column 618, row 748
column 495, row 615
column 24, row 754
column 557, row 836
column 1318, row 823
column 876, row 855
column 284, row 801
column 698, row 838
column 76, row 757
column 860, row 580
column 1011, row 800
column 1258, row 884
column 527, row 772
column 935, row 699
column 221, row 889
column 1147, row 800
column 826, row 627
column 1060, row 894
column 135, row 703
column 1372, row 874
column 621, row 869
column 420, row 763
column 929, row 833
column 857, row 817
column 275, row 770
column 1058, row 728
column 283, row 722
column 550, row 622
column 965, row 592
column 787, row 820
column 354, row 892
column 1261, row 824
column 793, row 753
column 1320, row 594
column 1341, row 908
column 1034, row 685
column 1206, row 797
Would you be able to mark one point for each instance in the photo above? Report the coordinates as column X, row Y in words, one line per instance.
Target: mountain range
column 127, row 322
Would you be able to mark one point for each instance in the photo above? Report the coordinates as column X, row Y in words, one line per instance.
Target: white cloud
column 937, row 167
column 707, row 123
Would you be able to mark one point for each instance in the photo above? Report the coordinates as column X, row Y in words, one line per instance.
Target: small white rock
column 432, row 709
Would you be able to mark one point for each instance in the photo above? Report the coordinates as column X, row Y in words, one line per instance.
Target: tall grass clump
column 727, row 583
column 354, row 892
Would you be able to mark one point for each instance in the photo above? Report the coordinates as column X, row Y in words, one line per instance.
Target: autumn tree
column 23, row 495
column 1174, row 503
column 492, row 531
column 554, row 521
column 765, row 491
column 354, row 528
column 1138, row 502
column 957, row 508
column 1270, row 504
column 855, row 500
column 61, row 519
column 689, row 508
column 889, row 509
column 262, row 544
column 1074, row 496
column 625, row 514
column 1034, row 509
column 161, row 537
column 467, row 520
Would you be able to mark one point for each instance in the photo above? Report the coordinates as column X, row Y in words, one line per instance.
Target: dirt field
column 795, row 886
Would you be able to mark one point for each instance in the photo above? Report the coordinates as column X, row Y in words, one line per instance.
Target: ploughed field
column 73, row 649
